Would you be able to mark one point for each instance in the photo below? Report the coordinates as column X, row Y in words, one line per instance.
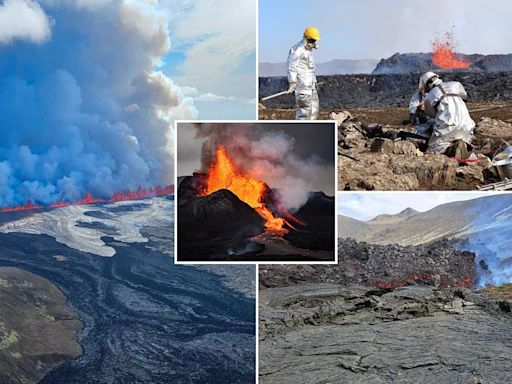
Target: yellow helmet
column 312, row 33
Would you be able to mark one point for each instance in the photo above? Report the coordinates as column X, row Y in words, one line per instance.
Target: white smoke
column 89, row 111
column 23, row 20
column 267, row 155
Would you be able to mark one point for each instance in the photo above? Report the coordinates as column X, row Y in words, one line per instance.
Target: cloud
column 23, row 20
column 89, row 111
column 219, row 38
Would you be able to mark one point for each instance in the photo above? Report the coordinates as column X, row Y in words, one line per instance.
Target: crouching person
column 452, row 129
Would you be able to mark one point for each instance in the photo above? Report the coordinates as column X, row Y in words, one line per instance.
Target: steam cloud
column 490, row 238
column 83, row 107
column 266, row 155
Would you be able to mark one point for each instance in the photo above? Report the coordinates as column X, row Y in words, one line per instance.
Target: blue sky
column 367, row 205
column 377, row 28
column 90, row 89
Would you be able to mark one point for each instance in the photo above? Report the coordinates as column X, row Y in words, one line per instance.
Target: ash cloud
column 272, row 156
column 83, row 107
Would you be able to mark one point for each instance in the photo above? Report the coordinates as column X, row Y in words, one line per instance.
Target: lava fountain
column 444, row 55
column 223, row 174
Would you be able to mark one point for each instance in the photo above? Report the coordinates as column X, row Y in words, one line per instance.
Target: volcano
column 223, row 174
column 226, row 214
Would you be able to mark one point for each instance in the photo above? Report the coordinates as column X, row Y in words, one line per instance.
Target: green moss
column 9, row 340
column 5, row 284
column 41, row 311
column 16, row 355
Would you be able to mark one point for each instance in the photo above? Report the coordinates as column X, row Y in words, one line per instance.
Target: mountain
column 401, row 63
column 483, row 226
column 333, row 67
column 409, row 227
column 393, row 219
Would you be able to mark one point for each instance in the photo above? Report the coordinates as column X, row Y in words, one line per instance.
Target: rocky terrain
column 222, row 227
column 37, row 327
column 341, row 92
column 325, row 333
column 386, row 266
column 384, row 314
column 371, row 161
column 376, row 160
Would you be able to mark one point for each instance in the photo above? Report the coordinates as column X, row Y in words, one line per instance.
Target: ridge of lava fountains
column 223, row 174
column 127, row 195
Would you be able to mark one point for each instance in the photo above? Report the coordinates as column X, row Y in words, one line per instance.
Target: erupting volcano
column 140, row 193
column 223, row 174
column 444, row 55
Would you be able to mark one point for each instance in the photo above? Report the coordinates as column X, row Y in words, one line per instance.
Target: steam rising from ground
column 491, row 240
column 267, row 155
column 83, row 106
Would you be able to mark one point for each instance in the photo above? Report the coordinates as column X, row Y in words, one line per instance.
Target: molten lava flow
column 140, row 193
column 223, row 174
column 444, row 54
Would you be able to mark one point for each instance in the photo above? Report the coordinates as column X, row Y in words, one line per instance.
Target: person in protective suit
column 452, row 128
column 301, row 75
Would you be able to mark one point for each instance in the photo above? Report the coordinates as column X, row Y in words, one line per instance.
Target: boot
column 459, row 150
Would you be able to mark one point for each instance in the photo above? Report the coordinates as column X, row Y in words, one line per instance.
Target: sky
column 375, row 29
column 295, row 158
column 90, row 89
column 366, row 205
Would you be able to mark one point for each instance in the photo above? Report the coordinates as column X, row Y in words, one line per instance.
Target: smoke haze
column 92, row 116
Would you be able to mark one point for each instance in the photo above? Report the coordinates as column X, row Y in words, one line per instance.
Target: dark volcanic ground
column 384, row 91
column 332, row 324
column 440, row 263
column 221, row 227
column 145, row 319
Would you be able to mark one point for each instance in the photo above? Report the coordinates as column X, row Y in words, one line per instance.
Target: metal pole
column 275, row 95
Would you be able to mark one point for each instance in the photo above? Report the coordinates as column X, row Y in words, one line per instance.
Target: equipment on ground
column 499, row 186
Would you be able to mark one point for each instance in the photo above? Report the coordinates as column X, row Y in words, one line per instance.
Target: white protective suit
column 301, row 70
column 445, row 104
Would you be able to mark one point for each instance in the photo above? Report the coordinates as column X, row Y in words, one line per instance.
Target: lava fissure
column 223, row 174
column 139, row 193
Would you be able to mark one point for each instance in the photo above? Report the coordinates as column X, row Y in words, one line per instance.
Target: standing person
column 301, row 75
column 453, row 127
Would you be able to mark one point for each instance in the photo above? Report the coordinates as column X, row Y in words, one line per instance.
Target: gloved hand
column 292, row 87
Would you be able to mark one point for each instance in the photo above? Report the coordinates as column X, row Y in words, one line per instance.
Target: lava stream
column 223, row 174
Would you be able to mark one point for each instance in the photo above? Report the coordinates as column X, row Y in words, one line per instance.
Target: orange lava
column 140, row 193
column 223, row 174
column 444, row 56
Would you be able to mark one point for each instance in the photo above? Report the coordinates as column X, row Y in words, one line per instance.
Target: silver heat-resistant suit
column 301, row 70
column 445, row 104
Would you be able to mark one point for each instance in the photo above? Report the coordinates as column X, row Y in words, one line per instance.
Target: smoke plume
column 86, row 108
column 268, row 155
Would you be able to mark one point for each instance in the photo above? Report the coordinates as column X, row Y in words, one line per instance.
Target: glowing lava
column 140, row 193
column 223, row 174
column 444, row 56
